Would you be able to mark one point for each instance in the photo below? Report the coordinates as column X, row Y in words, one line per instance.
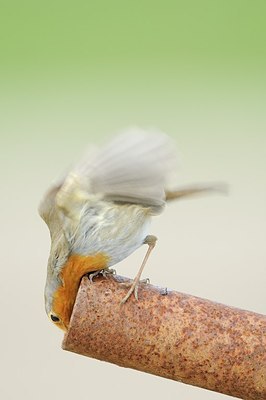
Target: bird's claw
column 103, row 272
column 106, row 272
column 134, row 287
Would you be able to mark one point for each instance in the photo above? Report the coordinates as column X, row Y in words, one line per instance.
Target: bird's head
column 58, row 305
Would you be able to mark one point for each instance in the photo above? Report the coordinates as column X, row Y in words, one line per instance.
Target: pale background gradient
column 76, row 72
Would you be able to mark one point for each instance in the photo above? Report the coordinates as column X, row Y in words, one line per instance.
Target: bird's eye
column 54, row 318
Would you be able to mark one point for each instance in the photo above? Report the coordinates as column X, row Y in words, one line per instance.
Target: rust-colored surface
column 172, row 335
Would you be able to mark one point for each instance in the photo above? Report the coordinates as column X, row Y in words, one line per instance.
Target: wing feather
column 133, row 168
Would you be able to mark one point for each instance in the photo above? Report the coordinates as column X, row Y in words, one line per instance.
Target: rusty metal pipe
column 172, row 335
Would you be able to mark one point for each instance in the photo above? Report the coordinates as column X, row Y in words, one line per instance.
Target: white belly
column 116, row 230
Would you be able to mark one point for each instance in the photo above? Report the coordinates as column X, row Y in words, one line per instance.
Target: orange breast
column 71, row 274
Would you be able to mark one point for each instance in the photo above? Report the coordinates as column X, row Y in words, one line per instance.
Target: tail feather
column 194, row 190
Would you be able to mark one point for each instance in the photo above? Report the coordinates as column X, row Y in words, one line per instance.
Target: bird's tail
column 196, row 189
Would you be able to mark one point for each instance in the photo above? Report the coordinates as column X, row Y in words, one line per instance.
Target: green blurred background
column 103, row 65
column 72, row 73
column 117, row 37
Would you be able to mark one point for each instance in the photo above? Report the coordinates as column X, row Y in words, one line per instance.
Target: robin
column 101, row 212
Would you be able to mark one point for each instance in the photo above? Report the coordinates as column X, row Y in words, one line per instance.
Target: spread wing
column 132, row 168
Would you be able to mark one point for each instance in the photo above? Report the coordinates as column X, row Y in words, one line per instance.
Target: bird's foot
column 103, row 272
column 108, row 271
column 134, row 287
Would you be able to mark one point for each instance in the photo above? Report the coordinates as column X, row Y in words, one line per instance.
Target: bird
column 100, row 212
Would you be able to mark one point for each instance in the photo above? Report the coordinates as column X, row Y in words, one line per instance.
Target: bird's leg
column 104, row 272
column 150, row 240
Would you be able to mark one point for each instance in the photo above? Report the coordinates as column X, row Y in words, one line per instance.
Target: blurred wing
column 47, row 204
column 133, row 168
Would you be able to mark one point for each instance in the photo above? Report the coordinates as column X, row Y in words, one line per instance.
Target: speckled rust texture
column 172, row 335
